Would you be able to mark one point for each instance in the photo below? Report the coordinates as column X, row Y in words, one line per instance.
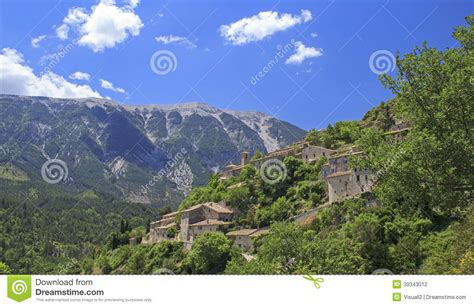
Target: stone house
column 311, row 153
column 342, row 181
column 199, row 219
column 242, row 238
column 205, row 226
column 203, row 218
column 159, row 229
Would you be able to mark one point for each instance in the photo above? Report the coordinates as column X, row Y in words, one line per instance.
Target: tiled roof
column 163, row 221
column 231, row 166
column 172, row 214
column 241, row 232
column 345, row 154
column 209, row 223
column 193, row 208
column 213, row 206
column 218, row 208
column 260, row 232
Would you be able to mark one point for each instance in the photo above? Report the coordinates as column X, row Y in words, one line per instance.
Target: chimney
column 244, row 158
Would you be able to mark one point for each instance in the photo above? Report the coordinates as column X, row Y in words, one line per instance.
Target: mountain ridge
column 126, row 146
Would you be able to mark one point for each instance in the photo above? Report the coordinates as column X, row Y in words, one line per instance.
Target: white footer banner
column 224, row 290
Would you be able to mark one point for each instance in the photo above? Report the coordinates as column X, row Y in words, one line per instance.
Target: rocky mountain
column 147, row 154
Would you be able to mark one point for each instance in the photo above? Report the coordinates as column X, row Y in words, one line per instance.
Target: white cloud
column 36, row 40
column 302, row 53
column 17, row 78
column 104, row 26
column 62, row 32
column 257, row 27
column 109, row 86
column 79, row 75
column 133, row 3
column 314, row 35
column 76, row 15
column 172, row 39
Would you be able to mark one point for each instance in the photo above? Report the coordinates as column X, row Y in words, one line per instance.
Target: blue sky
column 313, row 55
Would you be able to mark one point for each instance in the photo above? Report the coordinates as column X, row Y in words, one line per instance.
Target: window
column 365, row 177
column 358, row 178
column 324, row 154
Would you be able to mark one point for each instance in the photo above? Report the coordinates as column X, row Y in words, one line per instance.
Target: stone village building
column 203, row 218
column 343, row 181
column 243, row 238
column 198, row 219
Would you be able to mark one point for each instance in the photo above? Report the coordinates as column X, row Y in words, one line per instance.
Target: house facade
column 199, row 219
column 203, row 218
column 243, row 238
column 159, row 230
column 344, row 181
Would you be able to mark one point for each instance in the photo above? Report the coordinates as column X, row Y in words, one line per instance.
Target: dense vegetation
column 62, row 234
column 423, row 221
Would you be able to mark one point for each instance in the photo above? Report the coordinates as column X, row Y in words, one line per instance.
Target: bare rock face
column 153, row 153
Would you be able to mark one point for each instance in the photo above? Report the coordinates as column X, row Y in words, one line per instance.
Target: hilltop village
column 341, row 180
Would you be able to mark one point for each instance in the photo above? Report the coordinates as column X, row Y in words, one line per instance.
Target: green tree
column 4, row 269
column 332, row 253
column 258, row 155
column 282, row 247
column 209, row 253
column 431, row 170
